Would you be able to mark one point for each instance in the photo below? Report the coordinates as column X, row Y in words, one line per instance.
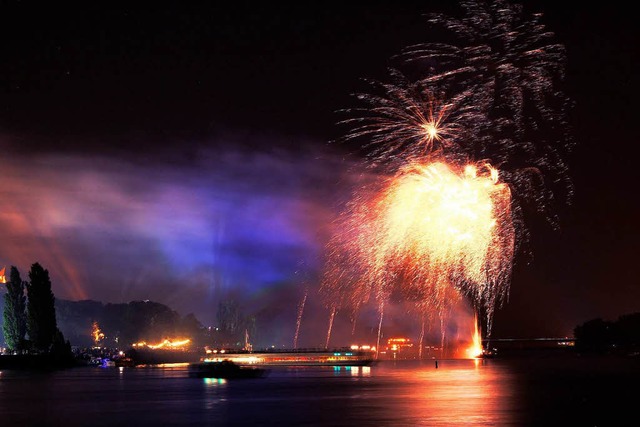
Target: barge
column 303, row 357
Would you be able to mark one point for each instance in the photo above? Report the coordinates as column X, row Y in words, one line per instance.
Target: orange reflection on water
column 457, row 392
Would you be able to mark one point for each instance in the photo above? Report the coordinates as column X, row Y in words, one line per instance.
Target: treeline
column 89, row 323
column 618, row 337
column 29, row 320
column 34, row 321
column 123, row 324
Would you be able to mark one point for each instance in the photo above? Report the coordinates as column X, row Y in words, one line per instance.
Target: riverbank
column 35, row 362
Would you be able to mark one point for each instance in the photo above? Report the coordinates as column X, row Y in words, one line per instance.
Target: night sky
column 185, row 152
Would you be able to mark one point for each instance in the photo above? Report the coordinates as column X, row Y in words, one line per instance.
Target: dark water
column 540, row 392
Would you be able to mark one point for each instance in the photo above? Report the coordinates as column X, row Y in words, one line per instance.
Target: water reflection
column 354, row 371
column 214, row 393
column 463, row 393
column 458, row 392
column 214, row 382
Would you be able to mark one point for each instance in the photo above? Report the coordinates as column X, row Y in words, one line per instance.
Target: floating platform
column 304, row 357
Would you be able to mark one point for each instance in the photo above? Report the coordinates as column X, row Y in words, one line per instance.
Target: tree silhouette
column 15, row 318
column 41, row 312
column 619, row 337
column 233, row 325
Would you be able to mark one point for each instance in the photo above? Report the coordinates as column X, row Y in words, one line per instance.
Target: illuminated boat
column 225, row 369
column 313, row 357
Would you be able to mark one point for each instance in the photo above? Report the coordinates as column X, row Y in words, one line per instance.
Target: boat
column 225, row 369
column 108, row 363
column 290, row 357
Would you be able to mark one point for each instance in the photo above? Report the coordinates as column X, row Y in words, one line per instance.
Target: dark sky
column 178, row 151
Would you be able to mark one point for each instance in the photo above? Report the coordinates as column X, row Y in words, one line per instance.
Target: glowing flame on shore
column 96, row 333
column 167, row 344
column 475, row 350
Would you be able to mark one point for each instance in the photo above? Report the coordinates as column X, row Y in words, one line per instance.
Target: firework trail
column 301, row 305
column 343, row 286
column 444, row 224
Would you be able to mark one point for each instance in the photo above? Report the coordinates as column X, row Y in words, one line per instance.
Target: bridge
column 515, row 345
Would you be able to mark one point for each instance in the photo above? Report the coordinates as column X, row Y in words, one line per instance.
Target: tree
column 148, row 321
column 41, row 312
column 233, row 326
column 229, row 319
column 228, row 316
column 15, row 318
column 60, row 350
column 627, row 331
column 596, row 335
column 189, row 326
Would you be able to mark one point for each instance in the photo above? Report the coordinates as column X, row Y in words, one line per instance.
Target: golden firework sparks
column 436, row 231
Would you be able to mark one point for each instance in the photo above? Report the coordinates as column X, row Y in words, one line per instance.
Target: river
column 568, row 391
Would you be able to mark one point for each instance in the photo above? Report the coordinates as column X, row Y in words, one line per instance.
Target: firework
column 435, row 232
column 494, row 92
column 445, row 224
column 299, row 317
column 410, row 120
column 511, row 69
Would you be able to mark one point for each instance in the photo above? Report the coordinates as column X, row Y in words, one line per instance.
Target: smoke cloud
column 229, row 222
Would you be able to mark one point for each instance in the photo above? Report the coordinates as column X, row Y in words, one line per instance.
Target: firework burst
column 445, row 224
column 511, row 69
column 410, row 120
column 433, row 230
